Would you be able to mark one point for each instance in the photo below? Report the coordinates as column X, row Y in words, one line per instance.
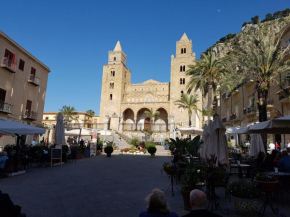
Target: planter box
column 244, row 204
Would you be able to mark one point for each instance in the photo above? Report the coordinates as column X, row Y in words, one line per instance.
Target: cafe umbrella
column 59, row 138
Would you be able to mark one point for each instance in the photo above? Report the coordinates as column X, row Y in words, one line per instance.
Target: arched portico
column 161, row 121
column 143, row 122
column 128, row 119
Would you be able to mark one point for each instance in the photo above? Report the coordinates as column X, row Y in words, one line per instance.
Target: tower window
column 183, row 81
column 111, row 85
column 181, row 92
column 113, row 73
column 181, row 50
column 180, row 80
column 111, row 96
column 182, row 68
column 184, row 50
column 114, row 58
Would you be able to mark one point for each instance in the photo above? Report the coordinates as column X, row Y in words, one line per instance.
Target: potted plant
column 109, row 150
column 268, row 182
column 244, row 194
column 152, row 151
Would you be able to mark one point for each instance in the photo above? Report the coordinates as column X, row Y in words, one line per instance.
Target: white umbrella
column 210, row 148
column 256, row 145
column 8, row 127
column 59, row 138
column 190, row 130
column 221, row 141
column 77, row 132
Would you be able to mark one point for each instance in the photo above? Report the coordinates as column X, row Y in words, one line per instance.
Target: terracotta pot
column 268, row 187
column 79, row 156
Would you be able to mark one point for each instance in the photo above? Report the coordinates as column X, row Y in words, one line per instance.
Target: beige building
column 23, row 81
column 239, row 108
column 123, row 104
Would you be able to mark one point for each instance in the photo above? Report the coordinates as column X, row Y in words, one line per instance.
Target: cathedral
column 123, row 104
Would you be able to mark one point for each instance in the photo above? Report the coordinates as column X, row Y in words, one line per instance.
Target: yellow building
column 23, row 83
column 123, row 104
column 239, row 108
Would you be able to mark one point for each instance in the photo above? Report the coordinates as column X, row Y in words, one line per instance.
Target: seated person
column 198, row 202
column 7, row 208
column 284, row 162
column 267, row 163
column 157, row 206
column 3, row 159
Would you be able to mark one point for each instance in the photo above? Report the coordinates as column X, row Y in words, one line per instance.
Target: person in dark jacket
column 198, row 202
column 7, row 208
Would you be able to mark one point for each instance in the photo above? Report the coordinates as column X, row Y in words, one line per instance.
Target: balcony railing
column 140, row 127
column 249, row 111
column 5, row 107
column 31, row 115
column 226, row 95
column 8, row 64
column 34, row 80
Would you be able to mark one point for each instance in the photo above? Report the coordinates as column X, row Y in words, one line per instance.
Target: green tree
column 90, row 112
column 269, row 17
column 151, row 114
column 206, row 75
column 69, row 113
column 188, row 102
column 259, row 56
column 255, row 19
column 278, row 14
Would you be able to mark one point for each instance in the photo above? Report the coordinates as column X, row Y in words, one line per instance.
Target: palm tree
column 259, row 55
column 206, row 75
column 151, row 114
column 90, row 112
column 69, row 113
column 188, row 102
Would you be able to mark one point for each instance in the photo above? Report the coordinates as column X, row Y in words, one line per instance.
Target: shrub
column 135, row 141
column 244, row 189
column 109, row 149
column 150, row 144
column 152, row 150
column 65, row 149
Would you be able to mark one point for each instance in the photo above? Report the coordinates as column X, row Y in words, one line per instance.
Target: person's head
column 284, row 153
column 197, row 199
column 157, row 202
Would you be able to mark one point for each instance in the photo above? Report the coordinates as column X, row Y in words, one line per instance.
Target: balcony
column 34, row 80
column 248, row 81
column 30, row 115
column 8, row 64
column 284, row 94
column 226, row 96
column 5, row 107
column 234, row 117
column 225, row 120
column 250, row 111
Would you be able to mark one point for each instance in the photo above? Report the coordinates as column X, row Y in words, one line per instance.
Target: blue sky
column 73, row 37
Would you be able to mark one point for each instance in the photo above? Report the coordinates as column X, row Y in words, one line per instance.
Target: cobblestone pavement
column 97, row 186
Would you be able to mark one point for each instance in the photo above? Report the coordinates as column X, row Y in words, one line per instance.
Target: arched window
column 183, row 67
column 111, row 85
column 113, row 73
column 114, row 58
column 181, row 92
column 183, row 81
column 181, row 50
column 184, row 50
column 111, row 96
column 180, row 80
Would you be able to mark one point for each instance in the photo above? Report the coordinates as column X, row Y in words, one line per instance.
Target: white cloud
column 218, row 10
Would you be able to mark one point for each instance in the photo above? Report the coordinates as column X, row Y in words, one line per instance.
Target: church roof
column 184, row 37
column 118, row 47
column 151, row 81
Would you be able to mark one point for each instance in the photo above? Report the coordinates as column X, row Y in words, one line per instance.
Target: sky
column 73, row 37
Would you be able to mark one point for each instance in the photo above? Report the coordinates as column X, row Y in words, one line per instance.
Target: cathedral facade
column 123, row 104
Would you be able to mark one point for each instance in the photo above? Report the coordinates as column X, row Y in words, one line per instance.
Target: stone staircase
column 124, row 143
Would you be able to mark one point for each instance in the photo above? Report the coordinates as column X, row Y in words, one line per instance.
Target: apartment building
column 23, row 84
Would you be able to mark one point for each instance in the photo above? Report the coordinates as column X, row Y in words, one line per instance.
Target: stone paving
column 97, row 186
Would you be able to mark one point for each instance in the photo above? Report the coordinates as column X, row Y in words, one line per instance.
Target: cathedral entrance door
column 147, row 125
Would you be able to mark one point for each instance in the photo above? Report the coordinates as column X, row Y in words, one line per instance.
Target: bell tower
column 179, row 80
column 116, row 76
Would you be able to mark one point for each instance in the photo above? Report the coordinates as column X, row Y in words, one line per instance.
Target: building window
column 2, row 95
column 113, row 73
column 182, row 68
column 182, row 80
column 111, row 96
column 181, row 92
column 111, row 85
column 21, row 64
column 46, row 118
column 9, row 59
column 114, row 58
column 28, row 105
column 33, row 70
column 183, row 50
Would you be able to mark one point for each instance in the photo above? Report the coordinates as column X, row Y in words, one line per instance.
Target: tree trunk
column 189, row 117
column 209, row 102
column 262, row 107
